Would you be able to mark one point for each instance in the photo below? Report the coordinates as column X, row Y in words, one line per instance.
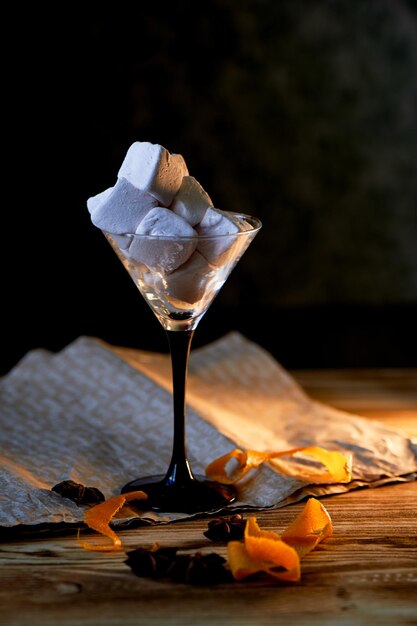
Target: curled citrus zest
column 245, row 461
column 339, row 466
column 279, row 556
column 268, row 548
column 99, row 517
column 242, row 565
column 310, row 527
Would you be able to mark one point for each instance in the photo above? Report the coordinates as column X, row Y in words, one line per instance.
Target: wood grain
column 388, row 395
column 366, row 573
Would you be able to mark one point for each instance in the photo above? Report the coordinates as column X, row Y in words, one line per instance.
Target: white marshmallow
column 187, row 284
column 95, row 201
column 216, row 222
column 212, row 218
column 123, row 209
column 152, row 168
column 177, row 241
column 191, row 201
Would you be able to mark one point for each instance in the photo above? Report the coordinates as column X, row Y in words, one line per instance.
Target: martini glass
column 179, row 277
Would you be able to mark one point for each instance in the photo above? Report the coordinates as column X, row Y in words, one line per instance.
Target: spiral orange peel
column 338, row 465
column 310, row 527
column 99, row 516
column 278, row 556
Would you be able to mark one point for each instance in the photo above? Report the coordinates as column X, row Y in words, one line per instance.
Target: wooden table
column 366, row 573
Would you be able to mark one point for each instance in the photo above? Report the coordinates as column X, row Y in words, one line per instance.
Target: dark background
column 301, row 112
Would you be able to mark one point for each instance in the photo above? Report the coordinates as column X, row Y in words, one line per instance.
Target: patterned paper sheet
column 87, row 415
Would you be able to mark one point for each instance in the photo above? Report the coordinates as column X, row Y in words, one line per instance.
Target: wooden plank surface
column 388, row 395
column 366, row 573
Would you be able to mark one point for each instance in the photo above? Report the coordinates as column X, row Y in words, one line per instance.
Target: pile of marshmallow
column 155, row 195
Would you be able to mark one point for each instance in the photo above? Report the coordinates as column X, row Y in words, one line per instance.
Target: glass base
column 197, row 495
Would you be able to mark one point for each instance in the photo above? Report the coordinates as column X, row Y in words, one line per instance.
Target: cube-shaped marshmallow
column 151, row 168
column 191, row 201
column 95, row 201
column 218, row 225
column 120, row 211
column 188, row 284
column 164, row 241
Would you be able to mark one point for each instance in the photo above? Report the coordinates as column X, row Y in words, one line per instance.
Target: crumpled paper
column 85, row 414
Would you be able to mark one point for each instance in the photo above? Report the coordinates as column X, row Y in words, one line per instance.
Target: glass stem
column 179, row 471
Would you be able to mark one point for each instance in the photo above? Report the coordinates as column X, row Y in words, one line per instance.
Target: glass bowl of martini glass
column 179, row 278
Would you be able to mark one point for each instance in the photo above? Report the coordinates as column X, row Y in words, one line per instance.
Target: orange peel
column 268, row 548
column 278, row 556
column 246, row 460
column 243, row 566
column 98, row 518
column 310, row 527
column 338, row 465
